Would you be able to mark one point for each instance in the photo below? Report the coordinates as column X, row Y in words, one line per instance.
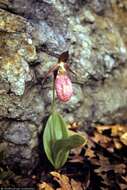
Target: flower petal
column 63, row 86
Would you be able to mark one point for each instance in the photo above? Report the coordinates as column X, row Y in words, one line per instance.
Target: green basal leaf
column 55, row 130
column 68, row 143
column 60, row 158
column 63, row 146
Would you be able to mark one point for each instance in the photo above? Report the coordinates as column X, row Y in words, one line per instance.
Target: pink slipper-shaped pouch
column 63, row 86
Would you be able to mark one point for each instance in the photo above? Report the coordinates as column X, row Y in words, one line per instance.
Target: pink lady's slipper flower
column 63, row 87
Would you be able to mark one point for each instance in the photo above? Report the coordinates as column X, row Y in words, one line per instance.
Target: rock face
column 32, row 36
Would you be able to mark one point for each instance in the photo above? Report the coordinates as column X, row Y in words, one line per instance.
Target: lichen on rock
column 16, row 50
column 11, row 23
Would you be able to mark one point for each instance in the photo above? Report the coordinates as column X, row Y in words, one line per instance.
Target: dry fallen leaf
column 116, row 130
column 120, row 168
column 117, row 143
column 101, row 128
column 74, row 126
column 62, row 180
column 76, row 185
column 65, row 183
column 105, row 166
column 103, row 140
column 103, row 163
column 76, row 151
column 90, row 153
column 124, row 178
column 105, row 179
column 75, row 159
column 123, row 138
column 117, row 136
column 123, row 185
column 44, row 186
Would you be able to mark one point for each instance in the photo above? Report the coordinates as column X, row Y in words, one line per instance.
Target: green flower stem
column 53, row 101
column 53, row 109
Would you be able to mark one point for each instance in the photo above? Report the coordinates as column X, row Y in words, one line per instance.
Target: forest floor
column 100, row 165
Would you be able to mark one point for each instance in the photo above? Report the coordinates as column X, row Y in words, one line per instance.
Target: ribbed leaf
column 63, row 146
column 55, row 130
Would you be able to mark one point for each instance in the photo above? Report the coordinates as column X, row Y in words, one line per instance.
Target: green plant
column 57, row 140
